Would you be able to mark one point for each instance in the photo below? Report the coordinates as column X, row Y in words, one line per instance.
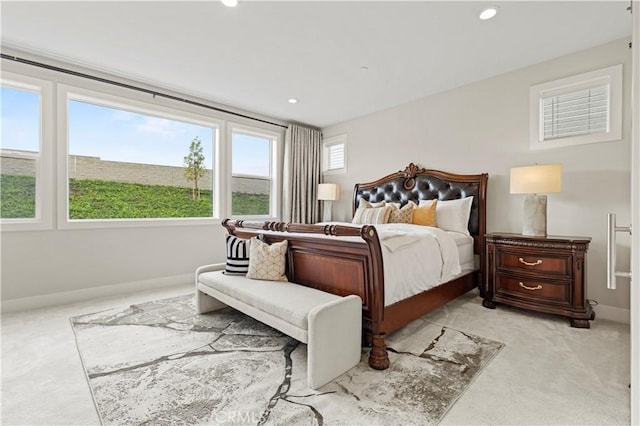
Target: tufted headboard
column 415, row 184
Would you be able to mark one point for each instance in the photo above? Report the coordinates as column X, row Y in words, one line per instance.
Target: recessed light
column 364, row 68
column 230, row 3
column 488, row 13
column 293, row 101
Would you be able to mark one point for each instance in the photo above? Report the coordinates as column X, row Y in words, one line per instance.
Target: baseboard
column 612, row 313
column 66, row 297
column 604, row 312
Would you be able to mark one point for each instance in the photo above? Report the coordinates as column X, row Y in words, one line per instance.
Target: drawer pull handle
column 524, row 262
column 538, row 287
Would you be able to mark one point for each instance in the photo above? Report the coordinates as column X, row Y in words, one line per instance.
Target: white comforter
column 416, row 258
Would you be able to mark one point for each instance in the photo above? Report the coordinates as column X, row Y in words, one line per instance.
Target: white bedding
column 416, row 258
column 465, row 249
column 413, row 259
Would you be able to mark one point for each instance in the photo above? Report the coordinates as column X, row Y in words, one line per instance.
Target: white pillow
column 453, row 215
column 372, row 216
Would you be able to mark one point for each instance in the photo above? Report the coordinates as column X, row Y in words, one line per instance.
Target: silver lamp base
column 535, row 216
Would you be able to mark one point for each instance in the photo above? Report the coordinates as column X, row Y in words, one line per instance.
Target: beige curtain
column 302, row 174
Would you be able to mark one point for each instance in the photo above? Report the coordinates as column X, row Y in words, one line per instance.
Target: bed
column 344, row 259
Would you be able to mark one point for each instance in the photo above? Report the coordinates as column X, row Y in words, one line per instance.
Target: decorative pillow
column 364, row 204
column 372, row 216
column 237, row 255
column 401, row 214
column 425, row 214
column 267, row 262
column 424, row 203
column 453, row 215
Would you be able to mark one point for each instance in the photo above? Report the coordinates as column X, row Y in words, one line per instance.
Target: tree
column 194, row 166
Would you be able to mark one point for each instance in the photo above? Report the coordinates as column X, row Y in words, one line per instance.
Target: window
column 334, row 155
column 253, row 184
column 129, row 161
column 24, row 192
column 586, row 108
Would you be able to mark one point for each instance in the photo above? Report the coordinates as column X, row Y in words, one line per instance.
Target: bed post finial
column 229, row 226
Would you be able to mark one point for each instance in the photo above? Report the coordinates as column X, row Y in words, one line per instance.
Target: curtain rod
column 129, row 86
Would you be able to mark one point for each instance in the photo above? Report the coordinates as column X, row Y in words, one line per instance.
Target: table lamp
column 327, row 192
column 533, row 180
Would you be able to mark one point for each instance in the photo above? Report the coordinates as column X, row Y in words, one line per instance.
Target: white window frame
column 43, row 219
column 68, row 92
column 326, row 145
column 275, row 167
column 611, row 76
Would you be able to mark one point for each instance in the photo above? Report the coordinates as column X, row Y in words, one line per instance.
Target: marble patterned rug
column 161, row 363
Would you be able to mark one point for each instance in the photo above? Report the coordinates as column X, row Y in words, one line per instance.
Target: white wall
column 484, row 127
column 36, row 263
column 44, row 262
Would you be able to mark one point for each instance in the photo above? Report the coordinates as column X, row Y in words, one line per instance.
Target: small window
column 20, row 150
column 25, row 187
column 334, row 155
column 253, row 154
column 577, row 110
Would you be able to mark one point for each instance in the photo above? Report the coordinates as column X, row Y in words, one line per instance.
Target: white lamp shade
column 540, row 179
column 328, row 191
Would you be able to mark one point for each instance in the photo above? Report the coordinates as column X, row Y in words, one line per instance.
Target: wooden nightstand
column 544, row 274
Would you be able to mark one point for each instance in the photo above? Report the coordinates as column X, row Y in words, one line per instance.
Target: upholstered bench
column 330, row 325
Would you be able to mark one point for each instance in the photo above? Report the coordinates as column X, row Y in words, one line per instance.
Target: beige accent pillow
column 267, row 262
column 372, row 216
column 364, row 204
column 401, row 214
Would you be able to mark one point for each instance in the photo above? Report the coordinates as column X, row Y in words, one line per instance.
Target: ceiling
column 258, row 55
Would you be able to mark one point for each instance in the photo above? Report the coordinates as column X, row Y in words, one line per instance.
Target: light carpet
column 161, row 363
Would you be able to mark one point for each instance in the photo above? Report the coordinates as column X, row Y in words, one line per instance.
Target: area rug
column 161, row 363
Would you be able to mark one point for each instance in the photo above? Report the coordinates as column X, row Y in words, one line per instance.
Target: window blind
column 576, row 113
column 335, row 157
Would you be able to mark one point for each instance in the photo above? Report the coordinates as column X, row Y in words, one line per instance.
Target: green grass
column 17, row 196
column 249, row 204
column 96, row 199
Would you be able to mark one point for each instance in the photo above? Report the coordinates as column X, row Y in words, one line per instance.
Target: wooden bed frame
column 346, row 266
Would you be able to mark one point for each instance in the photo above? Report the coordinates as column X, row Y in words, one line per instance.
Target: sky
column 20, row 117
column 118, row 135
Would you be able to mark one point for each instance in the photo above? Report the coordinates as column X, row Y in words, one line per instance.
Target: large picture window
column 253, row 158
column 128, row 163
column 125, row 160
column 23, row 156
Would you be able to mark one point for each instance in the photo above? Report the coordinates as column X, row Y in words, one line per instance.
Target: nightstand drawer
column 524, row 288
column 555, row 265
